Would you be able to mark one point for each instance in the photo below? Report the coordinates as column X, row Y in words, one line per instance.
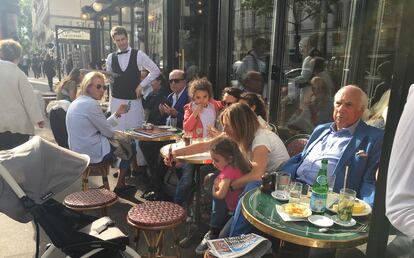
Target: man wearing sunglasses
column 127, row 88
column 174, row 107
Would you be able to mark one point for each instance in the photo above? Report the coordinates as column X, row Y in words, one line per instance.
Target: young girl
column 202, row 111
column 198, row 116
column 227, row 158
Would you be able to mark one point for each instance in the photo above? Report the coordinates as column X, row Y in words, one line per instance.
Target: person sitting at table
column 68, row 87
column 348, row 141
column 260, row 145
column 89, row 130
column 202, row 111
column 199, row 115
column 154, row 99
column 174, row 106
column 232, row 164
column 230, row 95
column 257, row 104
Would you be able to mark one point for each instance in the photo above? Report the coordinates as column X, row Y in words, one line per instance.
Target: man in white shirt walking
column 127, row 88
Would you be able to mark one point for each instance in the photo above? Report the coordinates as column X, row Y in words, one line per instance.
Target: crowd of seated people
column 242, row 150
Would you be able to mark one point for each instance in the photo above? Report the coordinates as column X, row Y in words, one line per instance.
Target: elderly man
column 177, row 99
column 348, row 141
column 171, row 108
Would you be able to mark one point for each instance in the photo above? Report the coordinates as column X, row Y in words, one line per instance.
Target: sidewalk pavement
column 18, row 240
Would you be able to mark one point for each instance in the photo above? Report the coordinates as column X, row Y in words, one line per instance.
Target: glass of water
column 331, row 198
column 295, row 192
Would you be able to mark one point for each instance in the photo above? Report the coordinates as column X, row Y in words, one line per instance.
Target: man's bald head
column 350, row 104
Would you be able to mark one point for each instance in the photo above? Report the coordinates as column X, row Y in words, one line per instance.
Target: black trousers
column 10, row 140
column 151, row 151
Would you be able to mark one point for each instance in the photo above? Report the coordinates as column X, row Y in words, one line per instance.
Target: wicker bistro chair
column 91, row 200
column 153, row 218
column 296, row 144
column 97, row 169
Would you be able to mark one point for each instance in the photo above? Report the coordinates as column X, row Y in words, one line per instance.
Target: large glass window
column 251, row 44
column 155, row 31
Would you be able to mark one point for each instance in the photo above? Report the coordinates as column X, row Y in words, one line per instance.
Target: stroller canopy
column 42, row 169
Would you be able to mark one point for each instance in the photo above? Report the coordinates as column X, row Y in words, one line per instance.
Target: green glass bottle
column 320, row 189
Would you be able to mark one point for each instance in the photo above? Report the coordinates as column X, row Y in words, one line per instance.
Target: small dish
column 280, row 195
column 172, row 129
column 163, row 126
column 320, row 221
column 296, row 210
column 351, row 223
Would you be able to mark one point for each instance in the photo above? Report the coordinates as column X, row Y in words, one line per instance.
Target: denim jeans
column 239, row 224
column 185, row 185
column 219, row 213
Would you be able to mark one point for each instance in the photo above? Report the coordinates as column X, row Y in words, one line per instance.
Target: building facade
column 9, row 11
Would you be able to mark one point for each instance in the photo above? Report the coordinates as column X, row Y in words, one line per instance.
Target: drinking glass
column 331, row 196
column 282, row 185
column 346, row 204
column 295, row 192
column 173, row 121
column 187, row 138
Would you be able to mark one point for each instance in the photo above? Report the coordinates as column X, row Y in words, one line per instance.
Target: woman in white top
column 88, row 128
column 264, row 148
column 20, row 109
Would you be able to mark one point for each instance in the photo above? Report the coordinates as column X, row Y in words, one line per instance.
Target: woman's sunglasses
column 99, row 86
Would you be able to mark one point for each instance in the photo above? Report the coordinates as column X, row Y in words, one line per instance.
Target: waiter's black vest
column 124, row 86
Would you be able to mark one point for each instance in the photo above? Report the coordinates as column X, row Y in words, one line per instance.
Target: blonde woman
column 89, row 130
column 258, row 144
column 378, row 112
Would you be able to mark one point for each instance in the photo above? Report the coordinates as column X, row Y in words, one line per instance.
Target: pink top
column 232, row 197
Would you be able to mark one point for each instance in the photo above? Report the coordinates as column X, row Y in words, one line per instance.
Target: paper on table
column 286, row 216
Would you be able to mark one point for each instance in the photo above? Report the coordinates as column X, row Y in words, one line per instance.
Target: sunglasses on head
column 175, row 80
column 99, row 86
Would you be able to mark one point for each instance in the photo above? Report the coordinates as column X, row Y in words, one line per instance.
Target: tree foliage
column 24, row 22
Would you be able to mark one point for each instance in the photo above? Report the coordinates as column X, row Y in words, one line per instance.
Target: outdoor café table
column 260, row 210
column 172, row 137
column 197, row 160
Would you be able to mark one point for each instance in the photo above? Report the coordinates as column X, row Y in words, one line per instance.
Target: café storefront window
column 322, row 52
column 251, row 45
column 155, row 31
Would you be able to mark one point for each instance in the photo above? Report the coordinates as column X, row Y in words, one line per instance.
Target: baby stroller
column 30, row 175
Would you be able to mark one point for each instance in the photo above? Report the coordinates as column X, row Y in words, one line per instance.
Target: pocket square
column 361, row 153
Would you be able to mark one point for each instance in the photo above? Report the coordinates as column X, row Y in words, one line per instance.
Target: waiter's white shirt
column 400, row 192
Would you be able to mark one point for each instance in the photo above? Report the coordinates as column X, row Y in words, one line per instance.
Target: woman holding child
column 261, row 146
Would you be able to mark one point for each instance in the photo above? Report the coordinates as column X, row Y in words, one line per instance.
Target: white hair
column 362, row 95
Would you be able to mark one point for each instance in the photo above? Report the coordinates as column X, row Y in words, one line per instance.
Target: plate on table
column 280, row 195
column 361, row 208
column 336, row 220
column 172, row 129
column 320, row 221
column 163, row 126
column 296, row 210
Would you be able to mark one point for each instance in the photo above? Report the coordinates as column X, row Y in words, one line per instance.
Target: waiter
column 127, row 88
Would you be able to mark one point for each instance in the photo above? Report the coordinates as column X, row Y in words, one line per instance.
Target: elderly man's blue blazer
column 361, row 155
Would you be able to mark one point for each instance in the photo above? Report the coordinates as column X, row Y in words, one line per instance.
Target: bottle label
column 322, row 180
column 318, row 202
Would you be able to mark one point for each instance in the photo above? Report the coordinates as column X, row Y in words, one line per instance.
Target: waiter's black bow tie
column 122, row 52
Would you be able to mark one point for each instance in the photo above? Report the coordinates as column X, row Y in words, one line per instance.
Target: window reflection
column 251, row 41
column 155, row 31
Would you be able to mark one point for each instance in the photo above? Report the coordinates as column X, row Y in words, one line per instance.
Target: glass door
column 195, row 38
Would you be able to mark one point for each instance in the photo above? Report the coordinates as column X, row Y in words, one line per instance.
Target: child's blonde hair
column 229, row 150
